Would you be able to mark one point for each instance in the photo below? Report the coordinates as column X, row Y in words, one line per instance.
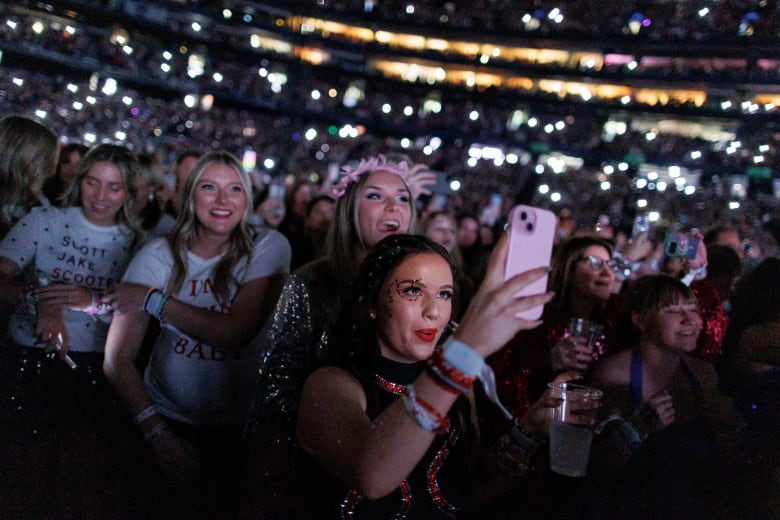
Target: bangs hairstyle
column 354, row 331
column 564, row 264
column 28, row 154
column 187, row 225
column 653, row 292
column 129, row 169
column 344, row 243
column 648, row 294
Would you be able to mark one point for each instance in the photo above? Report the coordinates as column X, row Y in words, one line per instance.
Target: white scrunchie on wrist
column 465, row 359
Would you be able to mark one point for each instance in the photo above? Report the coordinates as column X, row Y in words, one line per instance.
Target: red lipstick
column 426, row 335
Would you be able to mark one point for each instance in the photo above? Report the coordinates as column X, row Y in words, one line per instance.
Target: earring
column 372, row 315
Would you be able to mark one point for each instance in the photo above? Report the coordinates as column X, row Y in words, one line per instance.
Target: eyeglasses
column 596, row 263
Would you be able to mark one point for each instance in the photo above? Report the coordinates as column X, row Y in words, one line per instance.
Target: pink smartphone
column 531, row 239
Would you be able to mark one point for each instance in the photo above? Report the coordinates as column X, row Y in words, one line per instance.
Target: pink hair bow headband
column 351, row 174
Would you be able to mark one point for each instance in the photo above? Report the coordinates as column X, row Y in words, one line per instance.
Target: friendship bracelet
column 144, row 414
column 426, row 417
column 156, row 430
column 98, row 305
column 465, row 359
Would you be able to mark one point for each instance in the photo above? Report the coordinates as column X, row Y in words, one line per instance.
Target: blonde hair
column 129, row 169
column 28, row 154
column 344, row 244
column 185, row 231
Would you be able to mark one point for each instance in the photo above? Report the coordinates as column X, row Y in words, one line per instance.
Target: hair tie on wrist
column 465, row 359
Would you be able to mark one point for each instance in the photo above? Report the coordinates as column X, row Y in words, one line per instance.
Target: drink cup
column 590, row 331
column 571, row 428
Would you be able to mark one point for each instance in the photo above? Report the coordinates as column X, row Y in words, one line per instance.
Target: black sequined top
column 432, row 490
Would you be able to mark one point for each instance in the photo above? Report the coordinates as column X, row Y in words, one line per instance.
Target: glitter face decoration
column 414, row 307
column 406, row 289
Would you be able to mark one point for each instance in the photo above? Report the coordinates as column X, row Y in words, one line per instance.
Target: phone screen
column 680, row 245
column 249, row 160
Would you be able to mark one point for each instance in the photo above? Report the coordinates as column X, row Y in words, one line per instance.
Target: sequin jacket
column 295, row 343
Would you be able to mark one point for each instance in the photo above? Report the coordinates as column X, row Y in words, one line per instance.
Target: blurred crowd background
column 597, row 110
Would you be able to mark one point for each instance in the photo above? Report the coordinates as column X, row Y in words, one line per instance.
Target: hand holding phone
column 531, row 237
column 641, row 225
column 680, row 245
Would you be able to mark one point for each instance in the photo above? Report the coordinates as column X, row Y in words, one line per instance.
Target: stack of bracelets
column 99, row 305
column 154, row 303
column 454, row 368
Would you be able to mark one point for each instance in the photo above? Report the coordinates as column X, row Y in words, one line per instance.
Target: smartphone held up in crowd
column 531, row 237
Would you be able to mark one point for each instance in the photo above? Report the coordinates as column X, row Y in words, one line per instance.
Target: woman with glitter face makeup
column 386, row 424
column 373, row 201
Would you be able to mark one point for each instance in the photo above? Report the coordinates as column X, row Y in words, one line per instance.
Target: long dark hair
column 564, row 264
column 354, row 345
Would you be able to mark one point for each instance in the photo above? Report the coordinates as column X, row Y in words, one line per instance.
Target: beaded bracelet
column 98, row 305
column 424, row 414
column 144, row 414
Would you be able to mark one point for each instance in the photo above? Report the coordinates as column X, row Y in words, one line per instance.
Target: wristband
column 163, row 301
column 632, row 434
column 447, row 376
column 152, row 300
column 155, row 302
column 424, row 414
column 144, row 414
column 465, row 359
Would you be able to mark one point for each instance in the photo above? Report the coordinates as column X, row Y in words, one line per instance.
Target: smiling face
column 414, row 307
column 102, row 193
column 592, row 283
column 672, row 327
column 220, row 200
column 384, row 207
